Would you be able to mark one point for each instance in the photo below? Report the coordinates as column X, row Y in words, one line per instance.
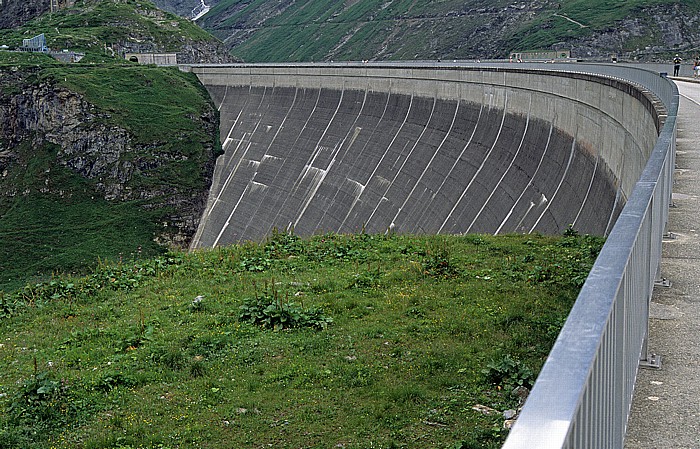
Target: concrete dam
column 421, row 150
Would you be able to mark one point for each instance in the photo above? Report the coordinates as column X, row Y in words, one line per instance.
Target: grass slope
column 67, row 230
column 580, row 18
column 91, row 25
column 56, row 220
column 337, row 341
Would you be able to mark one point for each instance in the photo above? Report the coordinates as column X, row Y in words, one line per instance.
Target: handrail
column 582, row 397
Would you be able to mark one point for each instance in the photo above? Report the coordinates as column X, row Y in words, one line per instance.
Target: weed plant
column 397, row 339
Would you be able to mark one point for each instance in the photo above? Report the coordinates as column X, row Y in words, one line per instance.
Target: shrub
column 508, row 371
column 255, row 264
column 7, row 306
column 437, row 261
column 272, row 312
column 114, row 379
column 283, row 244
column 368, row 279
column 197, row 368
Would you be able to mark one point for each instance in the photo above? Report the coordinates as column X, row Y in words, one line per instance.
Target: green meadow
column 353, row 341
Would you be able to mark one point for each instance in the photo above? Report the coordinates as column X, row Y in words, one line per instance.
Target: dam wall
column 421, row 150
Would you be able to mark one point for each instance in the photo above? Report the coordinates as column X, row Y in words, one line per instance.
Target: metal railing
column 583, row 394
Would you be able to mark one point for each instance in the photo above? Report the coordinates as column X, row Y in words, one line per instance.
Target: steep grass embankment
column 98, row 162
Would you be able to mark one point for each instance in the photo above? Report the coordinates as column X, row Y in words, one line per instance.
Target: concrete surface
column 419, row 151
column 666, row 405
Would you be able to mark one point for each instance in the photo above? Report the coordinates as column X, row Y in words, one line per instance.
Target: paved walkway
column 666, row 405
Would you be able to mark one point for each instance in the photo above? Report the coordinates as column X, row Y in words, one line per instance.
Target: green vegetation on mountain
column 102, row 27
column 354, row 341
column 154, row 104
column 66, row 230
column 58, row 209
column 581, row 18
column 305, row 30
column 132, row 156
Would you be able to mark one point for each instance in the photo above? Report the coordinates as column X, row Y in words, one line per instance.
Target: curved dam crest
column 343, row 150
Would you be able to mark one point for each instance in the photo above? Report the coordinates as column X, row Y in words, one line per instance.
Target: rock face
column 16, row 12
column 91, row 145
column 674, row 30
column 213, row 52
column 45, row 113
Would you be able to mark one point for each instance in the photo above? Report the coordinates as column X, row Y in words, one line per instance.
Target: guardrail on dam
column 469, row 149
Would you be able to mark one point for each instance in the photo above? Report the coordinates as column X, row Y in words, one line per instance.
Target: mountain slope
column 103, row 159
column 304, row 30
column 114, row 27
column 14, row 13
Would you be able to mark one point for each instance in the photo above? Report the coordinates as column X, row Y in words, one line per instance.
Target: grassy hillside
column 68, row 230
column 338, row 341
column 93, row 25
column 262, row 30
column 55, row 219
column 53, row 213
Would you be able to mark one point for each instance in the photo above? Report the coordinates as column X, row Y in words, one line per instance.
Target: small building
column 35, row 44
column 540, row 55
column 152, row 58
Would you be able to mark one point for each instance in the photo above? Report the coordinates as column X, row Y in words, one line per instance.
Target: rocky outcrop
column 90, row 144
column 655, row 31
column 189, row 52
column 14, row 13
column 43, row 112
column 210, row 52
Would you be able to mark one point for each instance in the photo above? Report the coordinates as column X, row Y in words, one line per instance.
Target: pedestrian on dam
column 696, row 67
column 676, row 65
